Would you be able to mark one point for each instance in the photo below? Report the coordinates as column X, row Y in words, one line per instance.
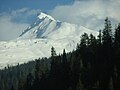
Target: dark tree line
column 94, row 65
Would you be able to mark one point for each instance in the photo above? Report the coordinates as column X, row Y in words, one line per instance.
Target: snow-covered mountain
column 47, row 27
column 36, row 41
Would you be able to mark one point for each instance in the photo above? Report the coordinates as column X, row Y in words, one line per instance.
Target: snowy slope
column 46, row 26
column 43, row 25
column 36, row 41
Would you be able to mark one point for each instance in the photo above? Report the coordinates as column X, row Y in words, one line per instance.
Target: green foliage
column 94, row 65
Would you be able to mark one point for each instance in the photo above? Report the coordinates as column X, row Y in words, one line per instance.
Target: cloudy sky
column 17, row 15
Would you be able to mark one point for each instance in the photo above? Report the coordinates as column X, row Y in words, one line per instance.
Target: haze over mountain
column 36, row 41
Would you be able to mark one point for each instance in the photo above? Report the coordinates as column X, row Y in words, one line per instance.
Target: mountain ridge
column 36, row 41
column 45, row 25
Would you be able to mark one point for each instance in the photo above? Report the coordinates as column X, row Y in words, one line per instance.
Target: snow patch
column 43, row 15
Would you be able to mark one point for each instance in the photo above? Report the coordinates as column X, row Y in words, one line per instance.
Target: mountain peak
column 47, row 27
column 43, row 15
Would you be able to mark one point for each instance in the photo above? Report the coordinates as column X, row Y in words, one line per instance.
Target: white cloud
column 14, row 22
column 10, row 30
column 22, row 10
column 89, row 13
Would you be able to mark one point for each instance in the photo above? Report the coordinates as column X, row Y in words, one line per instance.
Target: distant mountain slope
column 36, row 41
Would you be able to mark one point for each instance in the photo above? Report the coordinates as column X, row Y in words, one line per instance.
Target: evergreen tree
column 107, row 33
column 53, row 52
column 84, row 40
column 93, row 66
column 111, row 85
column 106, row 56
column 92, row 44
column 37, row 75
column 30, row 80
column 12, row 88
column 117, row 56
column 65, row 72
column 99, row 40
column 80, row 86
column 117, row 36
column 64, row 59
column 84, row 48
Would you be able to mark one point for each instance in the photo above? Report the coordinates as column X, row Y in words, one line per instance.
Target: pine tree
column 99, row 40
column 84, row 40
column 65, row 71
column 30, row 80
column 117, row 56
column 80, row 85
column 111, row 86
column 92, row 40
column 12, row 88
column 106, row 55
column 37, row 75
column 64, row 59
column 84, row 48
column 117, row 36
column 107, row 33
column 37, row 70
column 53, row 52
column 92, row 44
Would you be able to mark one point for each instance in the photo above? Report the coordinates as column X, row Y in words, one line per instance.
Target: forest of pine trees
column 94, row 65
